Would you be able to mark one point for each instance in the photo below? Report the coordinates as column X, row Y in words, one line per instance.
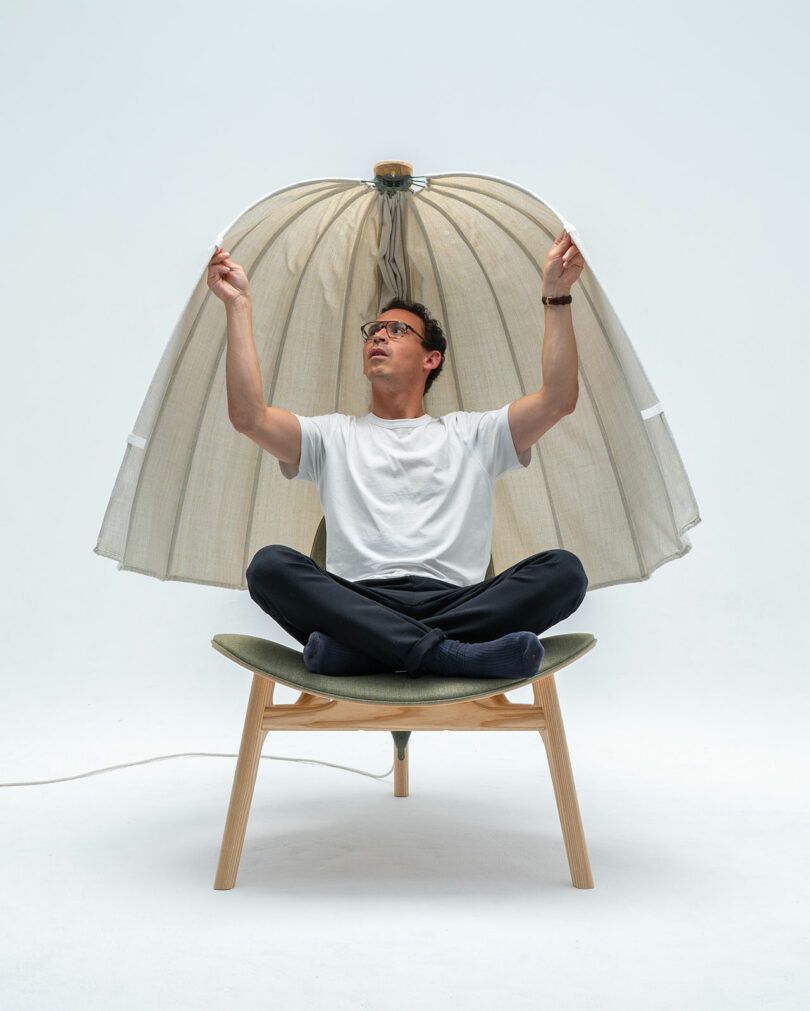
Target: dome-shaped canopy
column 194, row 500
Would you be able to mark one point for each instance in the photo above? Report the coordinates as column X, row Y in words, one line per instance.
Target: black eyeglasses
column 395, row 329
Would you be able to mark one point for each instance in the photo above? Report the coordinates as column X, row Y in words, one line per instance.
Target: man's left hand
column 563, row 266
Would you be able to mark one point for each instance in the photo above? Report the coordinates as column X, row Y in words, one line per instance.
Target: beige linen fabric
column 194, row 500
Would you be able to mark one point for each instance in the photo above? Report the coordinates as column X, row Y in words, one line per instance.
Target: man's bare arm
column 275, row 430
column 532, row 416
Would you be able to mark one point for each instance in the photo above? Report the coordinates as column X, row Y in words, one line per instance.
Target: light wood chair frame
column 312, row 711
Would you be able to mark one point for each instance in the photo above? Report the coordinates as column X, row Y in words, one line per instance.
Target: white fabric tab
column 651, row 412
column 136, row 440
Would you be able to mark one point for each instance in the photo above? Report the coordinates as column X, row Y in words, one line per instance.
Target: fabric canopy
column 194, row 499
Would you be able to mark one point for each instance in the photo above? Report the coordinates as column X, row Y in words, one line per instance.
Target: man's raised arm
column 533, row 415
column 276, row 430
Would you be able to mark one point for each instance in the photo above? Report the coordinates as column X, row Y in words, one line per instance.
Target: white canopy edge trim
column 136, row 440
column 274, row 193
column 571, row 229
column 650, row 412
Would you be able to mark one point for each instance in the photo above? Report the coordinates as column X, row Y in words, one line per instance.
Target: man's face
column 400, row 360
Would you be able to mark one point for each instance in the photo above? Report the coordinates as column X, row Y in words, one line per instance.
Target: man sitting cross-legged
column 407, row 500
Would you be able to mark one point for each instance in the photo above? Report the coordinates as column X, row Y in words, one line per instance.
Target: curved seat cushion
column 286, row 666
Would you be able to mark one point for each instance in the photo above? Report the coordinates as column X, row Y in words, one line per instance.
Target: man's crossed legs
column 417, row 624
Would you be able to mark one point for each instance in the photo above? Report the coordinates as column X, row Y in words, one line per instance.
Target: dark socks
column 515, row 656
column 325, row 655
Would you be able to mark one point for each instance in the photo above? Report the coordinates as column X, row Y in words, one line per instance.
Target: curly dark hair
column 434, row 339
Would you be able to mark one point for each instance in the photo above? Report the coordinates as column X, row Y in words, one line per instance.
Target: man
column 408, row 501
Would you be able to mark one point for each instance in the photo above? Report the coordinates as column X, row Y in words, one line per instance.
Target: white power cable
column 199, row 754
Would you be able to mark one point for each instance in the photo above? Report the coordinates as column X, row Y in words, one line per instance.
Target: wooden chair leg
column 261, row 695
column 559, row 763
column 400, row 762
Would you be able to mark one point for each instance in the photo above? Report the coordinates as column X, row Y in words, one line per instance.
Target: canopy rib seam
column 405, row 216
column 695, row 507
column 442, row 300
column 352, row 262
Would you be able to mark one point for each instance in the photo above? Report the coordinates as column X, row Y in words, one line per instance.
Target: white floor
column 458, row 896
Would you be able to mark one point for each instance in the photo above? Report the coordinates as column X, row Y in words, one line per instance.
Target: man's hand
column 274, row 429
column 532, row 416
column 563, row 266
column 226, row 279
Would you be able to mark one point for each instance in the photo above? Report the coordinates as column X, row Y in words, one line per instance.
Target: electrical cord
column 199, row 754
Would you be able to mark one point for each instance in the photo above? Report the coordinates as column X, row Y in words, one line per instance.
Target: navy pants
column 398, row 620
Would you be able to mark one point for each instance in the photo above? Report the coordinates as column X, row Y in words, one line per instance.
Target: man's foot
column 324, row 655
column 515, row 656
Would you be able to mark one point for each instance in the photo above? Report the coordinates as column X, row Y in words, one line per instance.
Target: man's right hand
column 274, row 429
column 226, row 279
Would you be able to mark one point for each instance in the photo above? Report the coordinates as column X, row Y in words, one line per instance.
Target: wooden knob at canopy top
column 393, row 168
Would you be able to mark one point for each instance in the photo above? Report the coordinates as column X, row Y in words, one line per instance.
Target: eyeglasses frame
column 384, row 323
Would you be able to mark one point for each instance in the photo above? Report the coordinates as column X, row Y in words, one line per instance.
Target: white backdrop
column 673, row 138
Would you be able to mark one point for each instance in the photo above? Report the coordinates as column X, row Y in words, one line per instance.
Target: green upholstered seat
column 286, row 666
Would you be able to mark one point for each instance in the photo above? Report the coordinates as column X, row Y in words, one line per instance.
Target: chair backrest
column 318, row 552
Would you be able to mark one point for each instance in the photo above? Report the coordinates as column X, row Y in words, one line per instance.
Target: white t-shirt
column 407, row 497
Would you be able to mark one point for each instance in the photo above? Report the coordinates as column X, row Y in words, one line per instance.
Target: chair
column 399, row 704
